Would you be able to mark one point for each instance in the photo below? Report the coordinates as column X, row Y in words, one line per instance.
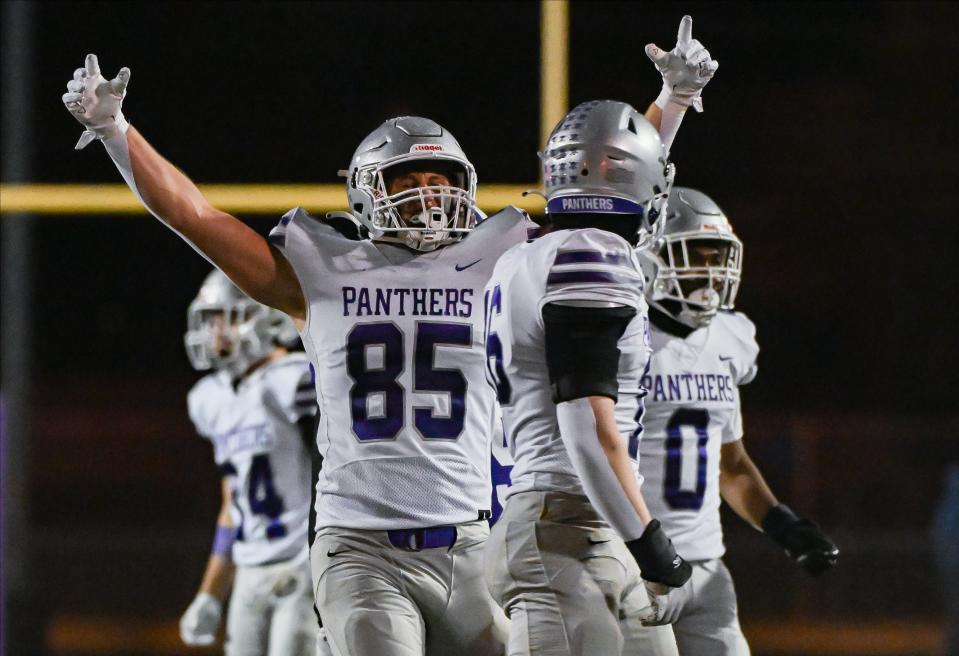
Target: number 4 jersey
column 259, row 446
column 692, row 409
column 397, row 341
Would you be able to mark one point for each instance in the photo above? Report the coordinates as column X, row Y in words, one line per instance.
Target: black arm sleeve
column 581, row 349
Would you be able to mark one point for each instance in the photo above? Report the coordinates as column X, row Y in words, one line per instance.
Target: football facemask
column 420, row 217
column 697, row 275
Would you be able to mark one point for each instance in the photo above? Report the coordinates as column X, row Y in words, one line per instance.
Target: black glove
column 657, row 559
column 802, row 540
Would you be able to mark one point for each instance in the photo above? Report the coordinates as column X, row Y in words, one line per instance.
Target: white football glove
column 686, row 69
column 665, row 603
column 95, row 101
column 201, row 621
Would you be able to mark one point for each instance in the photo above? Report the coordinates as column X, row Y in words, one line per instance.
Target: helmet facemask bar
column 223, row 335
column 441, row 214
column 719, row 283
column 657, row 208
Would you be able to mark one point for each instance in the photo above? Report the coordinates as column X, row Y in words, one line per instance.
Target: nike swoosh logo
column 335, row 553
column 725, row 358
column 466, row 266
column 592, row 541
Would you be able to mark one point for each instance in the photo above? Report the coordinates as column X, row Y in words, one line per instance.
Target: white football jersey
column 567, row 266
column 258, row 445
column 397, row 341
column 692, row 409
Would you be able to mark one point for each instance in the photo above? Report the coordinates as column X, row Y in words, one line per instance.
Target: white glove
column 323, row 647
column 686, row 69
column 201, row 621
column 665, row 603
column 95, row 101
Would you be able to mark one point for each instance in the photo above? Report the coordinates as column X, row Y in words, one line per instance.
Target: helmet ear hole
column 632, row 126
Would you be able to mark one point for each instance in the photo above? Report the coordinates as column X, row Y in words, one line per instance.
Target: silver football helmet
column 605, row 157
column 420, row 217
column 226, row 329
column 696, row 267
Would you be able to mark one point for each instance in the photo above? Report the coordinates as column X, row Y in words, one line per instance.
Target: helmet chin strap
column 696, row 311
column 431, row 219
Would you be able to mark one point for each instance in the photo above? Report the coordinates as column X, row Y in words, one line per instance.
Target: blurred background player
column 257, row 409
column 567, row 343
column 691, row 449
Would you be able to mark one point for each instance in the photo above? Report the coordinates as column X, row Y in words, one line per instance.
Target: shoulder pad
column 289, row 386
column 593, row 265
column 740, row 335
column 202, row 399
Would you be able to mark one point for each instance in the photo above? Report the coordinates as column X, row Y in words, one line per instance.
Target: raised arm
column 240, row 252
column 686, row 70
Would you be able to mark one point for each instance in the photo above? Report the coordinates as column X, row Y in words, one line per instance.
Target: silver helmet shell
column 441, row 214
column 687, row 290
column 226, row 329
column 604, row 157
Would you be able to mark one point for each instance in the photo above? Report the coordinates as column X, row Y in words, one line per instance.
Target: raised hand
column 95, row 101
column 686, row 69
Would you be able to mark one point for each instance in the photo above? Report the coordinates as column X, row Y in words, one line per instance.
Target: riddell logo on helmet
column 425, row 148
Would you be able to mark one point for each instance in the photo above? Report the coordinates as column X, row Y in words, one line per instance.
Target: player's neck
column 275, row 354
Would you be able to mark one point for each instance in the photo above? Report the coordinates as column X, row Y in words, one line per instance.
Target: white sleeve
column 734, row 429
column 673, row 113
column 594, row 267
column 577, row 427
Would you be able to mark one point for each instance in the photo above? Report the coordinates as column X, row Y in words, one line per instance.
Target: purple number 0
column 677, row 498
column 427, row 377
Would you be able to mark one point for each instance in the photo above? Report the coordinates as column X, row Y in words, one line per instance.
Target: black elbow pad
column 582, row 351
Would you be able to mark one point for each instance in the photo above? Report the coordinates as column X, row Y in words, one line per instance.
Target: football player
column 393, row 326
column 686, row 69
column 567, row 343
column 691, row 451
column 257, row 408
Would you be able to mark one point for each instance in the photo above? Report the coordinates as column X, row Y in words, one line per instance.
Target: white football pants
column 271, row 612
column 709, row 622
column 567, row 581
column 380, row 600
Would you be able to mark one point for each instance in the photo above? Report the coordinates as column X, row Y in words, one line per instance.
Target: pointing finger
column 119, row 83
column 685, row 30
column 92, row 65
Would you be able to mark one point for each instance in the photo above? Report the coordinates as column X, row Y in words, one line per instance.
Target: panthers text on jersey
column 568, row 266
column 692, row 409
column 397, row 341
column 258, row 445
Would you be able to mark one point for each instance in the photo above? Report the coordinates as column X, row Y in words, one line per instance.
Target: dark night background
column 828, row 138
